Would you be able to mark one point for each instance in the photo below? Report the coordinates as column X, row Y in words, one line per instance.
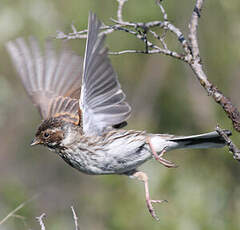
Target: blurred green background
column 203, row 192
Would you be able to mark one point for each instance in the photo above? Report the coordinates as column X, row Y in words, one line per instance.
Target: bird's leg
column 144, row 178
column 79, row 117
column 159, row 157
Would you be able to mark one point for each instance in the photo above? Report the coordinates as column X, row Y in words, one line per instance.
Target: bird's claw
column 165, row 162
column 160, row 158
column 144, row 178
column 151, row 209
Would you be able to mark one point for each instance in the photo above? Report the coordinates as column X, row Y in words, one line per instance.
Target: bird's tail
column 202, row 141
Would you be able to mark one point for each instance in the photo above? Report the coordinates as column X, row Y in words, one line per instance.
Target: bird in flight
column 84, row 111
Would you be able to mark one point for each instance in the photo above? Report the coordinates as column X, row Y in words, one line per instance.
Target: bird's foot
column 151, row 209
column 143, row 177
column 162, row 160
column 159, row 157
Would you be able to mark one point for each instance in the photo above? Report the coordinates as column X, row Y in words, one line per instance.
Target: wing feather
column 65, row 107
column 51, row 79
column 102, row 100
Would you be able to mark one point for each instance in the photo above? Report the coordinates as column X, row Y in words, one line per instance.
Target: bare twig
column 120, row 7
column 73, row 28
column 127, row 51
column 75, row 219
column 81, row 34
column 161, row 38
column 174, row 30
column 133, row 28
column 22, row 218
column 166, row 25
column 165, row 17
column 154, row 51
column 19, row 217
column 12, row 213
column 40, row 220
column 232, row 147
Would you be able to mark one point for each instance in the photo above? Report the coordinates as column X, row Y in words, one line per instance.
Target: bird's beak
column 35, row 142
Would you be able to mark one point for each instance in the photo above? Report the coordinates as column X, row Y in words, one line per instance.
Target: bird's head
column 50, row 133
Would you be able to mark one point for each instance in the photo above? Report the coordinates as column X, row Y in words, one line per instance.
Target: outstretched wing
column 102, row 100
column 52, row 80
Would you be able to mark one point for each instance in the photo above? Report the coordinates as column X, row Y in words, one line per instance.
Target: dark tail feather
column 207, row 140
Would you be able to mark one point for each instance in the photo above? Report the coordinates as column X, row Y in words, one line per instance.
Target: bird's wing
column 52, row 79
column 102, row 100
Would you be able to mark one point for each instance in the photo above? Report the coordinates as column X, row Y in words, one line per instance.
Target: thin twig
column 153, row 51
column 18, row 208
column 165, row 16
column 174, row 30
column 73, row 28
column 126, row 51
column 232, row 147
column 122, row 25
column 120, row 7
column 22, row 218
column 75, row 219
column 40, row 220
column 156, row 49
column 83, row 33
column 160, row 38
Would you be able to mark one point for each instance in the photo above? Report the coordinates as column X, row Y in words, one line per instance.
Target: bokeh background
column 203, row 192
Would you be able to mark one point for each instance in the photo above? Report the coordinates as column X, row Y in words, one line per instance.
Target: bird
column 84, row 110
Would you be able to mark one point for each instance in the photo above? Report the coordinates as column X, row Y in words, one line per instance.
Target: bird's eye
column 46, row 134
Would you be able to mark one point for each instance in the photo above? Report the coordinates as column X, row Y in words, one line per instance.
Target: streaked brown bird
column 84, row 110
